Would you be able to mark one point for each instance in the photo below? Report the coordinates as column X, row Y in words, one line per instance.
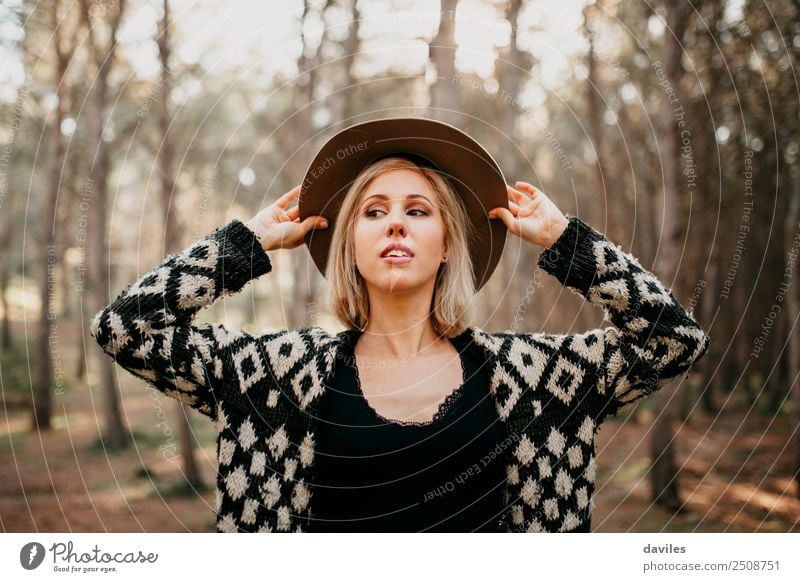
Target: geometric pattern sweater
column 263, row 391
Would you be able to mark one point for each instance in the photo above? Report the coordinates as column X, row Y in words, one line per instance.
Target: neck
column 399, row 325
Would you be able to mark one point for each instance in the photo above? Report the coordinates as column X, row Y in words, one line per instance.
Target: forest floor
column 734, row 472
column 734, row 476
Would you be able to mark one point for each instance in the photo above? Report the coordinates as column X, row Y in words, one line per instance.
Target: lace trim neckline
column 444, row 406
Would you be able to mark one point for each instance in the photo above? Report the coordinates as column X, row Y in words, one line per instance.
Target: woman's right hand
column 279, row 227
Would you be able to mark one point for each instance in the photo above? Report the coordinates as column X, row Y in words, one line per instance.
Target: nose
column 395, row 227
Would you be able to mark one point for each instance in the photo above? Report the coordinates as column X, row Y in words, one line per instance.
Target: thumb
column 503, row 214
column 313, row 222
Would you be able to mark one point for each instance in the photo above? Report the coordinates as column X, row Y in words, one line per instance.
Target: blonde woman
column 411, row 418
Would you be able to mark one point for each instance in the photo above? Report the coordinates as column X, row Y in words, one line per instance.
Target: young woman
column 410, row 419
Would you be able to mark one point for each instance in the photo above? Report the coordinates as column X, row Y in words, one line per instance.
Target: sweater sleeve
column 653, row 338
column 147, row 329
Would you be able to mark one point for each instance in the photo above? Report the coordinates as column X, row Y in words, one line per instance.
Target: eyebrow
column 385, row 197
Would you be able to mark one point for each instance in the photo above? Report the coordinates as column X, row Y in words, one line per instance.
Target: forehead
column 401, row 184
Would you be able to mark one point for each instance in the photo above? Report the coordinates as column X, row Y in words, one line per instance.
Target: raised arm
column 148, row 331
column 148, row 328
column 653, row 338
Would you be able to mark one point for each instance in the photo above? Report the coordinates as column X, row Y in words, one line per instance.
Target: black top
column 380, row 475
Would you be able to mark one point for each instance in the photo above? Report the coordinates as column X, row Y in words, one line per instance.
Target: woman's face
column 399, row 207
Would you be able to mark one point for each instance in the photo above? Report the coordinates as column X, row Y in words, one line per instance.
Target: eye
column 371, row 211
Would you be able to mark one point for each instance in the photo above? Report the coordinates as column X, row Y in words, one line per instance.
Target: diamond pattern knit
column 551, row 391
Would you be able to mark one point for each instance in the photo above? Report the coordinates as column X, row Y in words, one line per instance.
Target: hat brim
column 471, row 170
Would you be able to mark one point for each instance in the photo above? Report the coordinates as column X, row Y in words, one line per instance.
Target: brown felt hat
column 470, row 169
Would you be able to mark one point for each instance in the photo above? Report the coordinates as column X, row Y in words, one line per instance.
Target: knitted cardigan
column 551, row 391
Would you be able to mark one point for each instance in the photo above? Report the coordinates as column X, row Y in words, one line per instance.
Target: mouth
column 397, row 254
column 392, row 260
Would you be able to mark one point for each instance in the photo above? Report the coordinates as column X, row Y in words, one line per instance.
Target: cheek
column 435, row 235
column 363, row 239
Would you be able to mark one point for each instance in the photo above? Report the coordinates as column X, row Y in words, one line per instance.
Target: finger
column 518, row 196
column 510, row 220
column 505, row 215
column 293, row 212
column 286, row 199
column 530, row 208
column 527, row 188
column 512, row 206
column 314, row 222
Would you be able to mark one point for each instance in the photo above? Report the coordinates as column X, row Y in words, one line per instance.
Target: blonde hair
column 454, row 288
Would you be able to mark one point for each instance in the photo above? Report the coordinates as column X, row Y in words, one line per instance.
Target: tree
column 172, row 235
column 663, row 471
column 512, row 68
column 305, row 279
column 444, row 96
column 102, row 57
column 596, row 103
column 7, row 232
column 64, row 50
column 343, row 105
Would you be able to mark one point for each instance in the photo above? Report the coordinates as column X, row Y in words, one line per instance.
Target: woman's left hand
column 531, row 215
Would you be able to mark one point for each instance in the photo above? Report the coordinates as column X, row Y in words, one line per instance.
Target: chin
column 397, row 283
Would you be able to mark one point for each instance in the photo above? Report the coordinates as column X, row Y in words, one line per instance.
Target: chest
column 413, row 389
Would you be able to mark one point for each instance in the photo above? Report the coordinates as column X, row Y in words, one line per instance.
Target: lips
column 397, row 247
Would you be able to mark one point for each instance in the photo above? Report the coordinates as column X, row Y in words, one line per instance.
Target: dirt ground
column 734, row 472
column 735, row 476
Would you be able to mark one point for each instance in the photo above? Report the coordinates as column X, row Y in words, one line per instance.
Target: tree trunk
column 80, row 360
column 517, row 253
column 445, row 100
column 792, row 309
column 172, row 236
column 709, row 363
column 47, row 326
column 664, row 470
column 342, row 107
column 593, row 93
column 305, row 278
column 792, row 230
column 5, row 275
column 115, row 433
column 6, row 240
